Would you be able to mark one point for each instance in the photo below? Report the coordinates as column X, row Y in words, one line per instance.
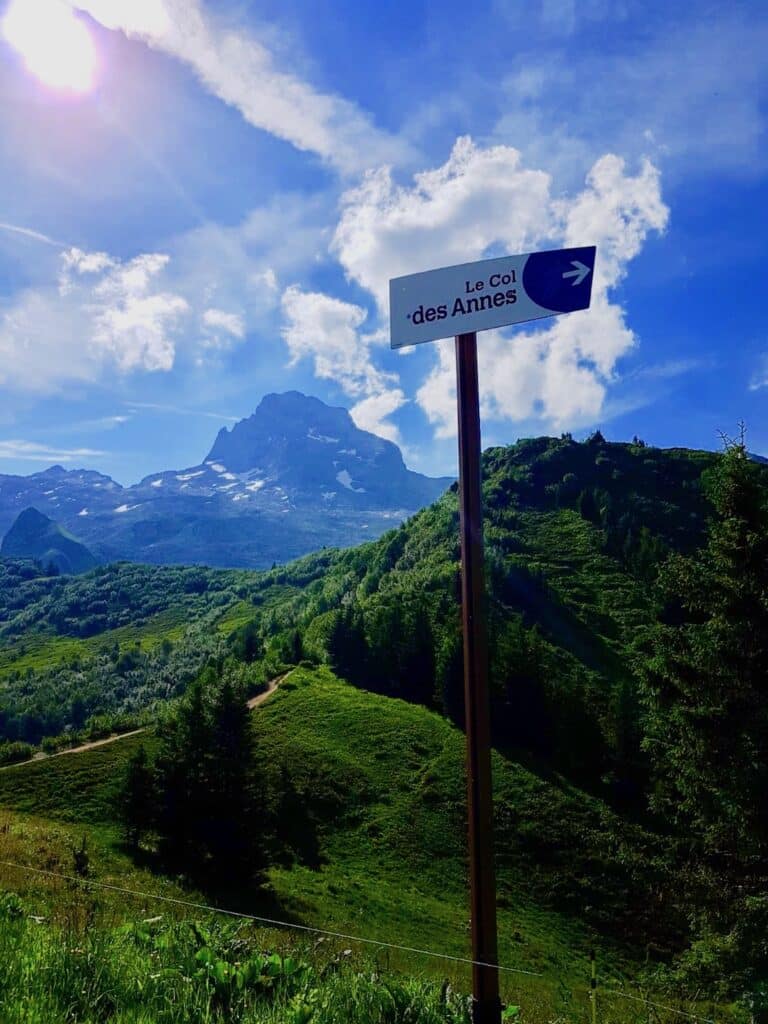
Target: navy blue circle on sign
column 560, row 280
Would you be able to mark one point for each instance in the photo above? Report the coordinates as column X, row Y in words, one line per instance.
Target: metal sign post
column 461, row 301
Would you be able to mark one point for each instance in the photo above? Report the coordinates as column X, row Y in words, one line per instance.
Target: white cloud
column 36, row 236
column 237, row 267
column 33, row 452
column 177, row 410
column 98, row 424
column 240, row 70
column 482, row 202
column 372, row 413
column 328, row 331
column 103, row 312
column 91, row 312
column 222, row 328
column 451, row 215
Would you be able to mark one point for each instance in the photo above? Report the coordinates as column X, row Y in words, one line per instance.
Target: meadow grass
column 385, row 780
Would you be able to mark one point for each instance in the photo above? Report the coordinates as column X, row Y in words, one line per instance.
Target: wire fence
column 593, row 993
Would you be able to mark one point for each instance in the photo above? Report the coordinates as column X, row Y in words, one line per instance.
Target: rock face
column 312, row 449
column 293, row 477
column 34, row 535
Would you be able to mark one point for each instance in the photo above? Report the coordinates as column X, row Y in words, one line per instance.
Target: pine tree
column 347, row 645
column 234, row 821
column 210, row 810
column 705, row 693
column 183, row 775
column 138, row 804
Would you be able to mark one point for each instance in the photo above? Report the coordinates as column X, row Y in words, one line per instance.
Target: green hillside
column 574, row 534
column 369, row 731
column 386, row 783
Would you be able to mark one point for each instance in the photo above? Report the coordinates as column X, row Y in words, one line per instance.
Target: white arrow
column 579, row 273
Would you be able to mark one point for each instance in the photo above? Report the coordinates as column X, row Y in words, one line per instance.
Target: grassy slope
column 389, row 779
column 396, row 851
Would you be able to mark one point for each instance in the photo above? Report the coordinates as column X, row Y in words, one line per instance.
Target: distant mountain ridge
column 35, row 536
column 293, row 477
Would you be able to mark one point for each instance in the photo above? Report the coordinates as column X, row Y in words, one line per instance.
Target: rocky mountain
column 35, row 536
column 293, row 477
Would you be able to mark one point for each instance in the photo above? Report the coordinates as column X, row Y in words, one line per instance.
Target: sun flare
column 55, row 44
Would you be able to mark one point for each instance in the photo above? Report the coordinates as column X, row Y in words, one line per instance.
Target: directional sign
column 491, row 293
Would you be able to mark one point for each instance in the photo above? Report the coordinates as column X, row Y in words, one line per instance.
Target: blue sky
column 218, row 215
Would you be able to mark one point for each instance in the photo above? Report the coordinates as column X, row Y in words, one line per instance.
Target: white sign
column 490, row 293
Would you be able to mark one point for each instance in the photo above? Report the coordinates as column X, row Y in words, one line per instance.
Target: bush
column 14, row 753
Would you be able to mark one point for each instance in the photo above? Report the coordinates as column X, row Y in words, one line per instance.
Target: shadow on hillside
column 530, row 594
column 252, row 896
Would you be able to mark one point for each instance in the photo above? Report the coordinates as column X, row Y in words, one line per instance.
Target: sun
column 56, row 46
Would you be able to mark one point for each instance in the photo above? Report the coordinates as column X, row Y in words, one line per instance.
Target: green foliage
column 575, row 536
column 139, row 798
column 387, row 785
column 75, row 788
column 208, row 810
column 705, row 687
column 13, row 753
column 567, row 594
column 175, row 973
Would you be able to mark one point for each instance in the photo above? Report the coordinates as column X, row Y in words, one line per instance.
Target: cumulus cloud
column 328, row 331
column 239, row 69
column 104, row 311
column 483, row 202
column 455, row 213
column 373, row 413
column 213, row 286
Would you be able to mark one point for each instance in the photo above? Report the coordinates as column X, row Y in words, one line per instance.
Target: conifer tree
column 233, row 819
column 704, row 686
column 138, row 805
column 210, row 813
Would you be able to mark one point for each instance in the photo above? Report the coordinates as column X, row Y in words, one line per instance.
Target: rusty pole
column 486, row 1007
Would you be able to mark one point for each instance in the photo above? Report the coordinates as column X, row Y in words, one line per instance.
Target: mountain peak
column 290, row 412
column 34, row 535
column 31, row 519
column 295, row 475
column 285, row 424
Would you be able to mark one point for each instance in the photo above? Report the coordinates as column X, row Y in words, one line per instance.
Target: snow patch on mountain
column 346, row 481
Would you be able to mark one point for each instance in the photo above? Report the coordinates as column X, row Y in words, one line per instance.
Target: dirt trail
column 94, row 743
column 272, row 685
column 254, row 702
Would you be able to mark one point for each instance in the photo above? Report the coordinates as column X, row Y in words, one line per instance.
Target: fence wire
column 348, row 937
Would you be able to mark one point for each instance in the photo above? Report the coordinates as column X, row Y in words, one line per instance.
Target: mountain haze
column 295, row 476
